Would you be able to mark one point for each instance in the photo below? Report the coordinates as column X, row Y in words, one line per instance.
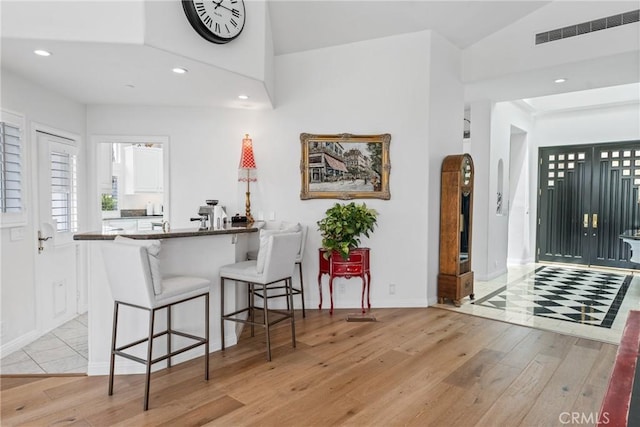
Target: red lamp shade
column 247, row 161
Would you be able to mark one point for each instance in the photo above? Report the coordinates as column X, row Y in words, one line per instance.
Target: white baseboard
column 521, row 261
column 432, row 301
column 396, row 303
column 18, row 343
column 490, row 276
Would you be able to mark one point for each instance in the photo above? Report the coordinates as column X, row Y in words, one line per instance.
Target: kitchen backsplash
column 139, row 201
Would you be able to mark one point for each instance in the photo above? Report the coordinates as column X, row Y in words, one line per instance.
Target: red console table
column 357, row 265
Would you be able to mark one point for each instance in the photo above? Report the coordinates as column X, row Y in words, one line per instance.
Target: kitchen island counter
column 187, row 251
column 159, row 234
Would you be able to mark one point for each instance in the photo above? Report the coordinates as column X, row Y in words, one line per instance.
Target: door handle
column 585, row 221
column 40, row 240
column 594, row 222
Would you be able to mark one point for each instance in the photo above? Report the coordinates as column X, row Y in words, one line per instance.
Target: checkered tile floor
column 580, row 296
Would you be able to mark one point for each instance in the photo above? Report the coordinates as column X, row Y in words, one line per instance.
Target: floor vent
column 588, row 27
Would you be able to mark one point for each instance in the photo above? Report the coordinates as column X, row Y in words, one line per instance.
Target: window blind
column 11, row 197
column 64, row 185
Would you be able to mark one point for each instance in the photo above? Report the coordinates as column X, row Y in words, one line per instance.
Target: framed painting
column 345, row 166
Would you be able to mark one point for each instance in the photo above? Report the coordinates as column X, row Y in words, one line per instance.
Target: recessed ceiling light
column 560, row 80
column 41, row 52
column 243, row 97
column 180, row 70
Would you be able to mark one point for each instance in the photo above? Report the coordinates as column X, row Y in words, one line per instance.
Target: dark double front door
column 588, row 195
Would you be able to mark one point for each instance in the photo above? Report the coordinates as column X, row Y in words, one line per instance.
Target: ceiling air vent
column 588, row 27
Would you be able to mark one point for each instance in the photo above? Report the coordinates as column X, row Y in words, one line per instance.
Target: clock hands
column 210, row 22
column 220, row 5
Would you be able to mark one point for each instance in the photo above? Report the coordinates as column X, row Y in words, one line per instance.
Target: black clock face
column 218, row 21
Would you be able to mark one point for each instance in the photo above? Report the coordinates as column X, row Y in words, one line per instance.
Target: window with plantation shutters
column 11, row 168
column 64, row 185
column 12, row 165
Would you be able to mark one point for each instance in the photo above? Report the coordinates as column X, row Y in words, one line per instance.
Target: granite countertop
column 159, row 234
column 631, row 234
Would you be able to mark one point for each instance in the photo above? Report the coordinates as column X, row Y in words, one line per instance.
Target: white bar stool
column 275, row 264
column 284, row 227
column 134, row 278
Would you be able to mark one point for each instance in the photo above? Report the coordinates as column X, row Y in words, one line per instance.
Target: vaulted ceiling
column 305, row 25
column 105, row 73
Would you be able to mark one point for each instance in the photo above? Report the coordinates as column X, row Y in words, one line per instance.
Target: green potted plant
column 343, row 225
column 108, row 204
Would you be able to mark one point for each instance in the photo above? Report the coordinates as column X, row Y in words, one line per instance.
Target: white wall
column 333, row 90
column 446, row 123
column 42, row 106
column 269, row 59
column 516, row 200
column 491, row 126
column 588, row 126
column 506, row 115
column 374, row 87
column 480, row 144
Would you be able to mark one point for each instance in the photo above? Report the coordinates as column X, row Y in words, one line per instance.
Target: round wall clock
column 216, row 21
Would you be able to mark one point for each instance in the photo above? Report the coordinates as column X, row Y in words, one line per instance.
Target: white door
column 56, row 259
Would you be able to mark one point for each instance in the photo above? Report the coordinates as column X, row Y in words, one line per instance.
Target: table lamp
column 248, row 164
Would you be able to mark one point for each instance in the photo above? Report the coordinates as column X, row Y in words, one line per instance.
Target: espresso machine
column 213, row 213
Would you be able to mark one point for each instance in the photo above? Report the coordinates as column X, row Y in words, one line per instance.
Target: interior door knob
column 40, row 240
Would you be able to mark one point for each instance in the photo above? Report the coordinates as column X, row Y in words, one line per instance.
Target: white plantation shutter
column 12, row 169
column 64, row 185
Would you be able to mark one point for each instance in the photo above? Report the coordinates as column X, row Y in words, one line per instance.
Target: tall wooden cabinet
column 455, row 280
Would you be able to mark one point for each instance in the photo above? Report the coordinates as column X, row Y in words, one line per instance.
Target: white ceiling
column 305, row 25
column 606, row 96
column 101, row 73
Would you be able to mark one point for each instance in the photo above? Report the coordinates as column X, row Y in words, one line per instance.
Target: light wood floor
column 411, row 367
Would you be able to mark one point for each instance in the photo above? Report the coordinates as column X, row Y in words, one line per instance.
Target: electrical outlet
column 1, row 329
column 341, row 288
column 392, row 289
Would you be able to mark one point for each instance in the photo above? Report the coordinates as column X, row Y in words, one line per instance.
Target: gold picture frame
column 345, row 166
